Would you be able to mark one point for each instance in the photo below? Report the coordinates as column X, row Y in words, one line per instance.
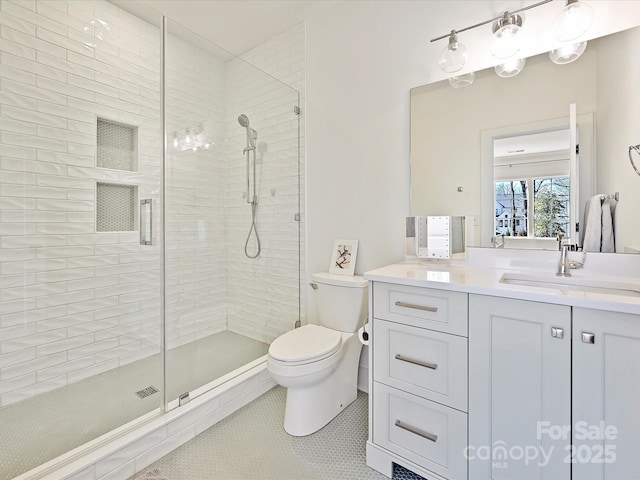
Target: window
column 532, row 207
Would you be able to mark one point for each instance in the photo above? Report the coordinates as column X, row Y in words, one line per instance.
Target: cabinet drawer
column 424, row 432
column 423, row 362
column 439, row 310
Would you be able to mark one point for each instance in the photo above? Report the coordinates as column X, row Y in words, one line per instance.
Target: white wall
column 618, row 124
column 74, row 302
column 362, row 60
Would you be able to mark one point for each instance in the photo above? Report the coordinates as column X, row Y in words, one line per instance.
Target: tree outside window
column 532, row 207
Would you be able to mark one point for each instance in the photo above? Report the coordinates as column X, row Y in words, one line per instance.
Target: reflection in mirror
column 563, row 162
column 531, row 185
column 453, row 130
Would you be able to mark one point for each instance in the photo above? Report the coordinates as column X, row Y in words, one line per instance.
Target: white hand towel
column 593, row 225
column 608, row 237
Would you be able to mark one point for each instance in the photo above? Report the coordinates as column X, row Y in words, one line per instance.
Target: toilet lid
column 305, row 343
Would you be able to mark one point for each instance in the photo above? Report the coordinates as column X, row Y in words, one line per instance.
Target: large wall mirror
column 501, row 148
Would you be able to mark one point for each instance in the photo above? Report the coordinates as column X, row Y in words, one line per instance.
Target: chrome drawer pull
column 588, row 337
column 432, row 366
column 427, row 435
column 416, row 307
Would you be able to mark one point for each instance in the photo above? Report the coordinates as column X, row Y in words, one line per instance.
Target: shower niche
column 116, row 207
column 116, row 149
column 117, row 146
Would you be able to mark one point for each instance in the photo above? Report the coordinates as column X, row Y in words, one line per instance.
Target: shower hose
column 254, row 204
column 253, row 228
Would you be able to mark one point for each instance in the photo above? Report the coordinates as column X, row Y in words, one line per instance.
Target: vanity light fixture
column 454, row 55
column 574, row 20
column 507, row 42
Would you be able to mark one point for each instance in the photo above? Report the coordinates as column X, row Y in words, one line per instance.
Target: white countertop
column 482, row 274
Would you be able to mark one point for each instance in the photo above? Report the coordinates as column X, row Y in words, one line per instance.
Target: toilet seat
column 307, row 344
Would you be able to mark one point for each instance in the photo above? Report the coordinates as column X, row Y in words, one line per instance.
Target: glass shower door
column 233, row 238
column 80, row 170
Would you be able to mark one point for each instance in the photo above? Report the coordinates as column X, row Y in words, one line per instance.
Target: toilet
column 318, row 364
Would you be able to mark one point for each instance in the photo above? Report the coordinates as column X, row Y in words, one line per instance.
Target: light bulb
column 567, row 53
column 461, row 81
column 510, row 68
column 573, row 22
column 453, row 56
column 507, row 41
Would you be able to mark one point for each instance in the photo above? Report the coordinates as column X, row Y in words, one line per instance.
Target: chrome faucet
column 565, row 265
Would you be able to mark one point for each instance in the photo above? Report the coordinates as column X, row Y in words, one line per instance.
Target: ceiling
column 240, row 25
column 235, row 25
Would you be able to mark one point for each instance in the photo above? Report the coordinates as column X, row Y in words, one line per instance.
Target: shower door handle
column 146, row 221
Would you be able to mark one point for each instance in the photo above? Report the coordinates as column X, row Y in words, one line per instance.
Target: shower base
column 43, row 427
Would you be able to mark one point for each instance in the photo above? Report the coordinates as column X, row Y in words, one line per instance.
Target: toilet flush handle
column 313, row 285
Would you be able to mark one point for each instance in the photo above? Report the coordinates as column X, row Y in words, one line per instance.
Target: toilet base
column 310, row 408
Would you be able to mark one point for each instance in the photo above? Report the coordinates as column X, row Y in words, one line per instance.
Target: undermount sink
column 580, row 284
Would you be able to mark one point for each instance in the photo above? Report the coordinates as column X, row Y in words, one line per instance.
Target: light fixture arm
column 453, row 40
column 499, row 18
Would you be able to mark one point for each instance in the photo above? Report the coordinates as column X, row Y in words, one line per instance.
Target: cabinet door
column 606, row 395
column 519, row 388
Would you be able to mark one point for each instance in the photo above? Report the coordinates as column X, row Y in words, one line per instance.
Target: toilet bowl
column 317, row 364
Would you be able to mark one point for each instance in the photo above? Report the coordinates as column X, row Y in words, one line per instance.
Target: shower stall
column 129, row 198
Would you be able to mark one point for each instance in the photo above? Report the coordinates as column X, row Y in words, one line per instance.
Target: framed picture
column 343, row 258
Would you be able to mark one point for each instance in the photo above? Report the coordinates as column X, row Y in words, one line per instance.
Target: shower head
column 243, row 120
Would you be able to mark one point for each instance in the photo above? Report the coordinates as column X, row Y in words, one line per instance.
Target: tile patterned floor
column 251, row 444
column 82, row 411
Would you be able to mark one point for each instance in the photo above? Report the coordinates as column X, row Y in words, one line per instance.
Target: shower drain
column 145, row 392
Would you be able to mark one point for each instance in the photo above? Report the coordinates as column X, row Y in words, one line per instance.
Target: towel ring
column 637, row 149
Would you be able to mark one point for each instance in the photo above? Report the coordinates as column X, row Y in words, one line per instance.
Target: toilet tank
column 341, row 300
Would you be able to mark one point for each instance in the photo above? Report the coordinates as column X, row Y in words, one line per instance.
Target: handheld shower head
column 243, row 120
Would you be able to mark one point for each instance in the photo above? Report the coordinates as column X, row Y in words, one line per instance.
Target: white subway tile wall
column 266, row 295
column 75, row 302
column 196, row 285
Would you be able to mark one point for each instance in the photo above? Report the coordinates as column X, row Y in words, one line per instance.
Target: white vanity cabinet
column 606, row 395
column 418, row 401
column 519, row 386
column 468, row 382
